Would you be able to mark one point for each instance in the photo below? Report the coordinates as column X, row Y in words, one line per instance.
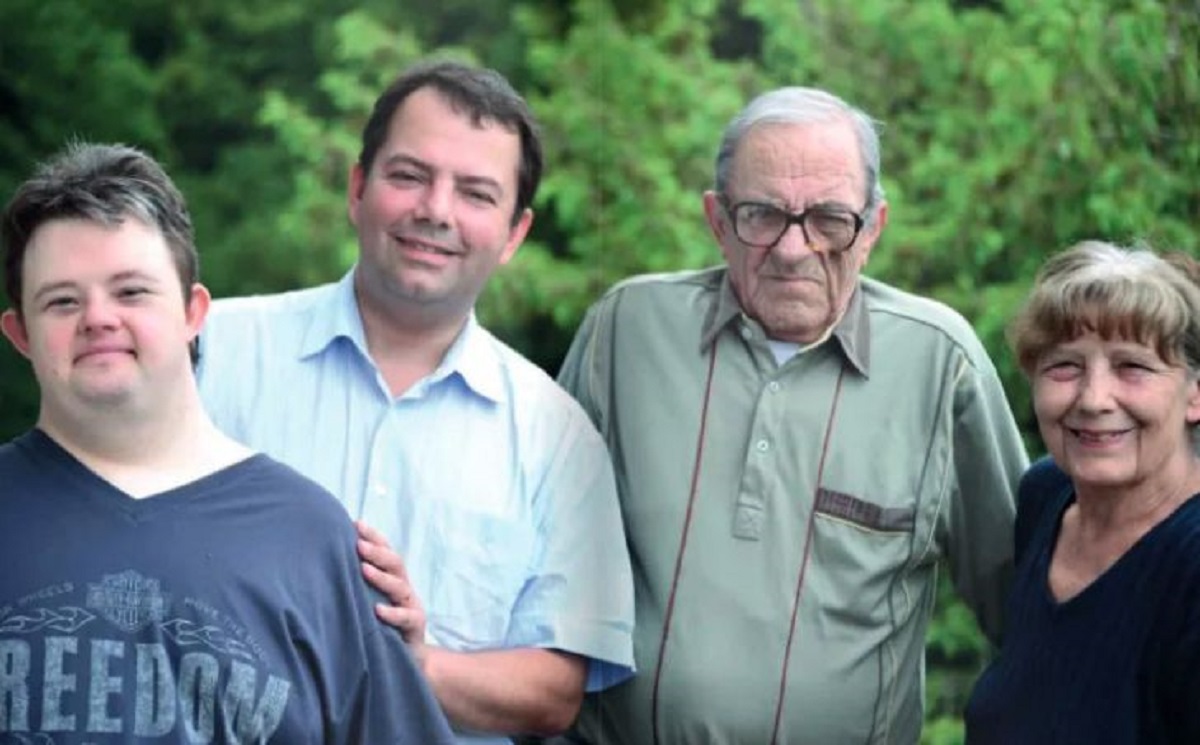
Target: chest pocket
column 860, row 547
column 481, row 564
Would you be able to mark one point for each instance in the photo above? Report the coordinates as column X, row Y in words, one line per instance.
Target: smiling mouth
column 89, row 354
column 420, row 246
column 1092, row 437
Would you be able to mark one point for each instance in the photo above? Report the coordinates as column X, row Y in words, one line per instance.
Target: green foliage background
column 1011, row 129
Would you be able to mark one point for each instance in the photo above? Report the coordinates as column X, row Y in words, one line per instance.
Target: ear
column 14, row 330
column 718, row 218
column 1193, row 400
column 720, row 225
column 516, row 235
column 196, row 309
column 870, row 235
column 355, row 184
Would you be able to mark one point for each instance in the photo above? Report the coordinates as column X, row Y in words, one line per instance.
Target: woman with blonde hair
column 1102, row 641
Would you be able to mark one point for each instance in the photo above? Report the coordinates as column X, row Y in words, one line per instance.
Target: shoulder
column 302, row 503
column 229, row 314
column 916, row 311
column 651, row 309
column 896, row 311
column 10, row 454
column 1043, row 486
column 25, row 450
column 547, row 423
column 14, row 461
column 530, row 388
column 1186, row 521
column 247, row 337
column 665, row 285
column 1044, row 476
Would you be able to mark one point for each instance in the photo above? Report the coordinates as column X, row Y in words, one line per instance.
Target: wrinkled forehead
column 822, row 154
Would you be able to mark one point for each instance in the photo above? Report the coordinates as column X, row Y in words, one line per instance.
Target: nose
column 435, row 202
column 793, row 246
column 1095, row 394
column 99, row 312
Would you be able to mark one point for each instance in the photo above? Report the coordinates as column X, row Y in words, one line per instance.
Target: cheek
column 742, row 270
column 50, row 348
column 1051, row 401
column 846, row 266
column 750, row 263
column 842, row 277
column 369, row 208
column 483, row 231
column 379, row 204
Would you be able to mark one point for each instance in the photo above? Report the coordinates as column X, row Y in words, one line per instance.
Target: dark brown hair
column 481, row 93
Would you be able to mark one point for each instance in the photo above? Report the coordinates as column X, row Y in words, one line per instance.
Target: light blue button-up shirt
column 485, row 476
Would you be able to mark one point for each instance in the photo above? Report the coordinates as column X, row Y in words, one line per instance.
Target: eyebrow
column 466, row 178
column 832, row 204
column 52, row 288
column 827, row 204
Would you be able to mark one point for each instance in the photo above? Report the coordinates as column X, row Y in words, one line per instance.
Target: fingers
column 384, row 570
column 394, row 586
column 405, row 611
column 370, row 535
column 409, row 621
column 383, row 557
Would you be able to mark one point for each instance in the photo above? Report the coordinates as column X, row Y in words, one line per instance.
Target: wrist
column 428, row 660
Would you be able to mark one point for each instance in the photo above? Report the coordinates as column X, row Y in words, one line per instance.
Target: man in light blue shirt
column 512, row 584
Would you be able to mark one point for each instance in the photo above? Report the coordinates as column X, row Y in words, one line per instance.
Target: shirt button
column 774, row 386
column 762, row 446
column 380, row 490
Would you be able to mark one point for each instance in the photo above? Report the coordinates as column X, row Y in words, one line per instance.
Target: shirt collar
column 335, row 316
column 471, row 356
column 476, row 359
column 852, row 331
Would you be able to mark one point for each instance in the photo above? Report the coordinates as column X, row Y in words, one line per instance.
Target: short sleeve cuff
column 608, row 646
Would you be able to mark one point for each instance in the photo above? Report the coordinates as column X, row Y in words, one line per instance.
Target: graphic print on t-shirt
column 122, row 655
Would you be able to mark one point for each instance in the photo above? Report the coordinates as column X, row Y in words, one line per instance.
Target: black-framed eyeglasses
column 826, row 229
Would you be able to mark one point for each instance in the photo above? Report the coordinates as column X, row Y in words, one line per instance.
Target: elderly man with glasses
column 797, row 449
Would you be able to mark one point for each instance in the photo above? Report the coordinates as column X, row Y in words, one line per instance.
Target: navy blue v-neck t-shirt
column 1117, row 663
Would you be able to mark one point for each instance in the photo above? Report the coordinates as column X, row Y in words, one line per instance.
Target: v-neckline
column 1113, row 571
column 99, row 493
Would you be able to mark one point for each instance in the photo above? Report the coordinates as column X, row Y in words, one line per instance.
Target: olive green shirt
column 800, row 570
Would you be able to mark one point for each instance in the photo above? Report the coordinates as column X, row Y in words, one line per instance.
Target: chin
column 105, row 396
column 803, row 330
column 1108, row 476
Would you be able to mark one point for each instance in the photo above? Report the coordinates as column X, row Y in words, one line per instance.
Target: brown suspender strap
column 687, row 523
column 787, row 650
column 683, row 539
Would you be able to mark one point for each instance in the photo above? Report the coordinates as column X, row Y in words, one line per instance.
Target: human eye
column 404, row 176
column 1060, row 369
column 831, row 222
column 59, row 303
column 1136, row 367
column 756, row 216
column 130, row 293
column 480, row 196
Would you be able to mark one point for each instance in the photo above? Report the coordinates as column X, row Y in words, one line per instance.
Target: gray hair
column 795, row 105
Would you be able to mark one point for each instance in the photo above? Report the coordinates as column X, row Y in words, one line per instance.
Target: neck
column 1107, row 510
column 407, row 343
column 173, row 445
